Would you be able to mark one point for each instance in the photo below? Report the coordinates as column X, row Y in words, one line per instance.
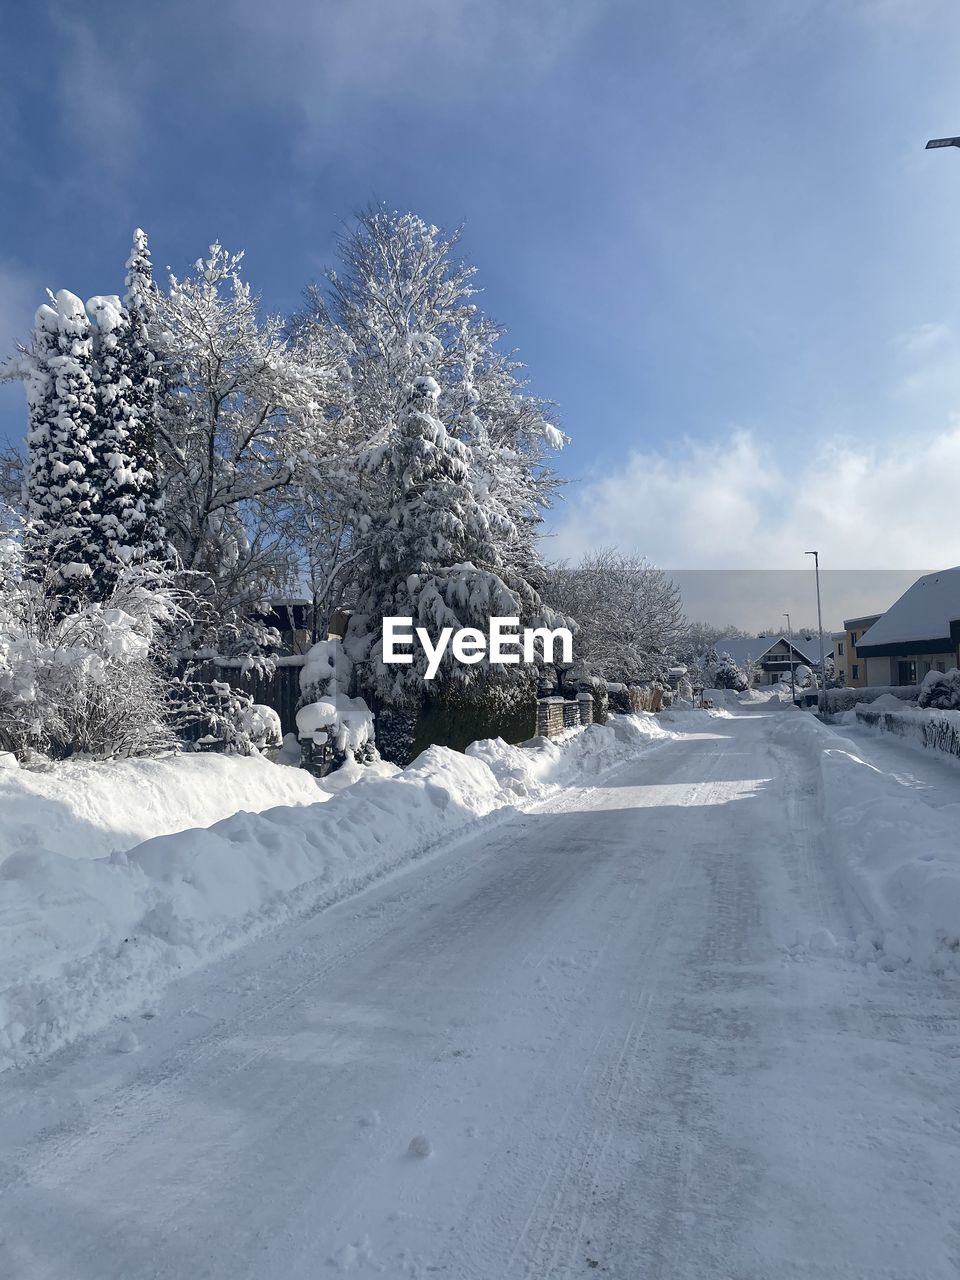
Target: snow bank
column 89, row 810
column 82, row 939
column 901, row 855
column 535, row 770
column 839, row 700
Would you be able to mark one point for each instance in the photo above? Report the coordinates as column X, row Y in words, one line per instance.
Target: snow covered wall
column 84, row 939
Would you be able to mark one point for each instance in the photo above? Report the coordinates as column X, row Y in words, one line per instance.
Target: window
column 839, row 648
column 855, row 672
column 906, row 672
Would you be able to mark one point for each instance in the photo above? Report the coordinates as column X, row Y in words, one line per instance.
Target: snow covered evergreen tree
column 434, row 559
column 440, row 421
column 62, row 500
column 729, row 675
column 148, row 392
column 130, row 512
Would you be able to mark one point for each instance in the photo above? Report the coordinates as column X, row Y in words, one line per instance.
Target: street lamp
column 822, row 700
column 934, row 143
column 793, row 682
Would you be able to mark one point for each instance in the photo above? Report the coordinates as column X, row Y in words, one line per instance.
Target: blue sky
column 710, row 228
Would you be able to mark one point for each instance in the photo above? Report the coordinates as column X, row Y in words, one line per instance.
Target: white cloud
column 334, row 65
column 20, row 295
column 100, row 87
column 750, row 502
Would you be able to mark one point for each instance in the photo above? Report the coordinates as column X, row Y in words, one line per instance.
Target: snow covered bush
column 262, row 726
column 216, row 717
column 327, row 715
column 82, row 682
column 729, row 676
column 941, row 689
column 345, row 723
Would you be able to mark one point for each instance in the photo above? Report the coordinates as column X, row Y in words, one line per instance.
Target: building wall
column 839, row 639
column 856, row 667
column 886, row 670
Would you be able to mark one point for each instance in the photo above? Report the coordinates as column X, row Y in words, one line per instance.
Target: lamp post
column 821, row 701
column 793, row 682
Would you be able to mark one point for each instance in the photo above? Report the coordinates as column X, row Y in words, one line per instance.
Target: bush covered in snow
column 728, row 675
column 216, row 717
column 81, row 681
column 941, row 689
column 327, row 715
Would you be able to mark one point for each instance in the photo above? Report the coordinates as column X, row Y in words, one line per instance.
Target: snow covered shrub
column 618, row 698
column 396, row 732
column 601, row 700
column 327, row 715
column 213, row 717
column 82, row 682
column 345, row 723
column 941, row 689
column 262, row 726
column 729, row 676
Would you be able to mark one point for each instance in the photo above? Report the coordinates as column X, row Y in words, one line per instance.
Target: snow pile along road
column 900, row 855
column 82, row 940
column 90, row 809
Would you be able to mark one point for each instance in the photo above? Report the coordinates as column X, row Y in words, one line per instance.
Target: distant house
column 292, row 617
column 852, row 664
column 770, row 655
column 920, row 633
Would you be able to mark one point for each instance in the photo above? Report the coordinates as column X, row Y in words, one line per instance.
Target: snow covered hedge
column 838, row 700
column 938, row 730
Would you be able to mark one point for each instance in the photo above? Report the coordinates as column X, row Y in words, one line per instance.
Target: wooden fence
column 279, row 690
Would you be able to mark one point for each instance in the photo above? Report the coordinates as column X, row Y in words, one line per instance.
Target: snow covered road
column 591, row 1015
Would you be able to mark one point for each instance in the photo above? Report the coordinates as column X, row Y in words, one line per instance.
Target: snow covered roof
column 753, row 648
column 923, row 612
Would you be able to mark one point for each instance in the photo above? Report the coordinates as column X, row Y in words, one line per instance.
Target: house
column 851, row 664
column 917, row 634
column 770, row 655
column 838, row 643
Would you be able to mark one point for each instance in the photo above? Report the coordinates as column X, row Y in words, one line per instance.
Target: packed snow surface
column 623, row 1032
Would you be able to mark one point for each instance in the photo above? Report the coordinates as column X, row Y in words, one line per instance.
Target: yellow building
column 848, row 661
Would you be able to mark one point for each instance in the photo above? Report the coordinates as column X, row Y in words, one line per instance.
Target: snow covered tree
column 62, row 500
column 242, row 408
column 628, row 614
column 130, row 523
column 148, row 388
column 434, row 558
column 728, row 675
column 402, row 316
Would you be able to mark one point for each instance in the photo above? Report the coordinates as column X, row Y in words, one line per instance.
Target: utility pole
column 822, row 700
column 793, row 681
